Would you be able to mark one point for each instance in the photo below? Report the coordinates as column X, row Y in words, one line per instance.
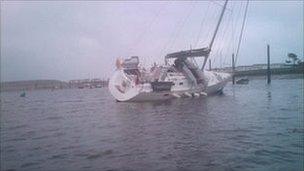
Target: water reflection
column 268, row 95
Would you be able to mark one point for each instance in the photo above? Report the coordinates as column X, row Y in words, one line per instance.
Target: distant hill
column 32, row 85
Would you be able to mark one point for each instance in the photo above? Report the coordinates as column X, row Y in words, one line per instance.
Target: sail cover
column 189, row 53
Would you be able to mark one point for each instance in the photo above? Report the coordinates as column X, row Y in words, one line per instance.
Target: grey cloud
column 69, row 40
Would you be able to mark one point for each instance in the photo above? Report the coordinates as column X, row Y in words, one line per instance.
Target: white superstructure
column 162, row 82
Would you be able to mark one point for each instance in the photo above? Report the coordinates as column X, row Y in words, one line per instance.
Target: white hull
column 144, row 92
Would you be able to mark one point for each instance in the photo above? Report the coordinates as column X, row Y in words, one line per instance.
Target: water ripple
column 249, row 127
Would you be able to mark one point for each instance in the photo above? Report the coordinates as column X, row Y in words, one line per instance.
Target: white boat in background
column 180, row 77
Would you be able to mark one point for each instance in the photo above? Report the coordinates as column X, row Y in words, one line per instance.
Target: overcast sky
column 74, row 39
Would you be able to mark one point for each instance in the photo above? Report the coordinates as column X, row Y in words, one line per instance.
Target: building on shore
column 33, row 85
column 261, row 69
column 88, row 83
column 257, row 67
column 51, row 84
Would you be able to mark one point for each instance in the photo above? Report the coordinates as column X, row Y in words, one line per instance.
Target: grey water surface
column 249, row 127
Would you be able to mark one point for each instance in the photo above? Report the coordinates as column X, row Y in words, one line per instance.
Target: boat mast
column 215, row 32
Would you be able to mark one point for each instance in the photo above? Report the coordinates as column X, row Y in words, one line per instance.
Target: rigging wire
column 223, row 47
column 207, row 34
column 233, row 30
column 230, row 48
column 175, row 33
column 216, row 3
column 231, row 44
column 182, row 26
column 241, row 34
column 211, row 27
column 227, row 38
column 236, row 20
column 141, row 36
column 221, row 40
column 201, row 26
column 208, row 29
column 226, row 35
column 215, row 33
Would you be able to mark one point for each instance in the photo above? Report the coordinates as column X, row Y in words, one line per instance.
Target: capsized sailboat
column 180, row 77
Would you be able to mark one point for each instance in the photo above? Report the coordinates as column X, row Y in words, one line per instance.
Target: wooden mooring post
column 268, row 65
column 209, row 64
column 233, row 69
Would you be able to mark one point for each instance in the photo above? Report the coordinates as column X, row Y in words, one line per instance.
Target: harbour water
column 248, row 127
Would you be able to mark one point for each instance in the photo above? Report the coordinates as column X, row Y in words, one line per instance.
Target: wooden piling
column 233, row 69
column 209, row 64
column 268, row 65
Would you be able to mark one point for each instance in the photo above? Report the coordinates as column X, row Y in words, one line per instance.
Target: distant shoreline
column 32, row 85
column 256, row 70
column 29, row 85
